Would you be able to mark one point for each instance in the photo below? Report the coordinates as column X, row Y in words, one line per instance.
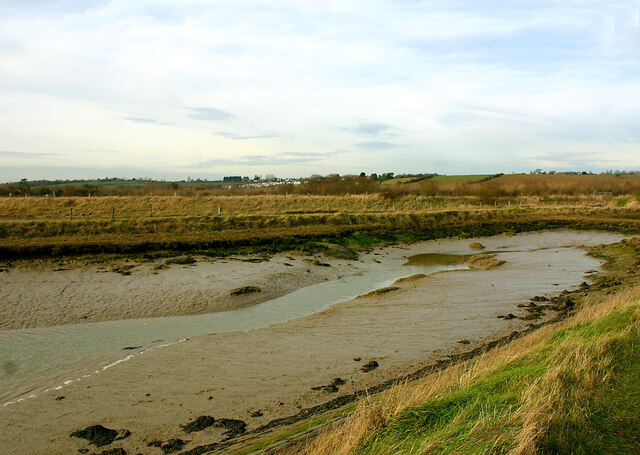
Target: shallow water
column 34, row 360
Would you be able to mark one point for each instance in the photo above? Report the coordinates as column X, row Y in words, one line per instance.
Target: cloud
column 372, row 129
column 278, row 159
column 208, row 113
column 102, row 151
column 11, row 154
column 376, row 145
column 569, row 160
column 144, row 120
column 456, row 79
column 40, row 7
column 238, row 137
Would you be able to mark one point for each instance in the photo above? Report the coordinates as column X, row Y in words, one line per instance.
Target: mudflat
column 49, row 294
column 261, row 374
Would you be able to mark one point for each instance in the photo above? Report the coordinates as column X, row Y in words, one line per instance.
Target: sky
column 203, row 89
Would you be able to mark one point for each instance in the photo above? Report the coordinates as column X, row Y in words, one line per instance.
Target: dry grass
column 122, row 207
column 169, row 206
column 569, row 184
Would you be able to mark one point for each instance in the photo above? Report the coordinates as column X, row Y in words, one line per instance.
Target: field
column 398, row 180
column 461, row 178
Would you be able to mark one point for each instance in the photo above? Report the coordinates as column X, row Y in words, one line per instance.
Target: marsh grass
column 222, row 235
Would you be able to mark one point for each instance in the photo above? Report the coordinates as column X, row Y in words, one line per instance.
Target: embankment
column 222, row 235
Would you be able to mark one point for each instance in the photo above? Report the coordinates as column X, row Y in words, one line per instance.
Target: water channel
column 36, row 360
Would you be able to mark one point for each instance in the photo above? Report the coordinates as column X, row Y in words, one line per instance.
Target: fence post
column 113, row 213
column 70, row 214
column 218, row 210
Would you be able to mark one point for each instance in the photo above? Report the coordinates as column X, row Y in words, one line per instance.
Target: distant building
column 232, row 178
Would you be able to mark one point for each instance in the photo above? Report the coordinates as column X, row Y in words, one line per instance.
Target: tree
column 24, row 186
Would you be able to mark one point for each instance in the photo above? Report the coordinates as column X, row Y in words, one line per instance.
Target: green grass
column 460, row 178
column 622, row 201
column 398, row 180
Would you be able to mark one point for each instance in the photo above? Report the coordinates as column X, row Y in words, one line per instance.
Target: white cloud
column 149, row 80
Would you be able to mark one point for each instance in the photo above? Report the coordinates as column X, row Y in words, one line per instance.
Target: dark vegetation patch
column 370, row 366
column 96, row 435
column 245, row 290
column 182, row 260
column 234, row 427
column 114, row 451
column 123, row 269
column 199, row 424
column 169, row 446
column 337, row 251
column 332, row 387
column 316, row 262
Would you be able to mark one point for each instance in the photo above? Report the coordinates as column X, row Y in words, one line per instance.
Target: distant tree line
column 489, row 189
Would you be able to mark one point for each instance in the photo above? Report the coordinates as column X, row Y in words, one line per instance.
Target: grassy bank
column 219, row 235
column 573, row 387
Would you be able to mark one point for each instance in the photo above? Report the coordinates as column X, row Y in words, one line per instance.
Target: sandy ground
column 50, row 295
column 273, row 369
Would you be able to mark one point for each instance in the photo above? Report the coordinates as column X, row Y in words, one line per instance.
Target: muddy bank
column 51, row 295
column 263, row 374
